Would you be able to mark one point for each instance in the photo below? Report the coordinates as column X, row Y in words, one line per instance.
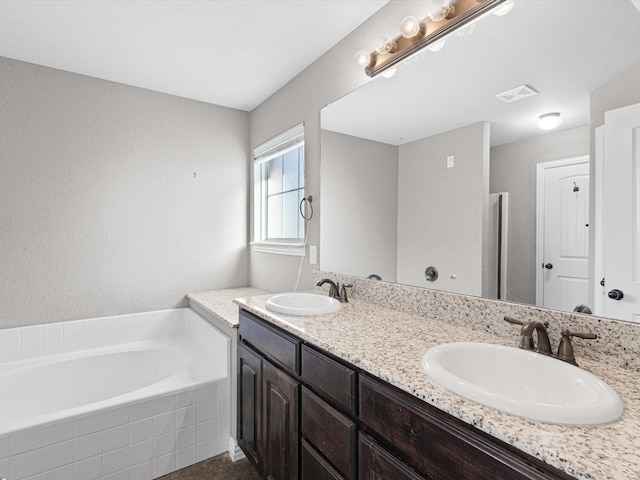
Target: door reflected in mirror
column 413, row 166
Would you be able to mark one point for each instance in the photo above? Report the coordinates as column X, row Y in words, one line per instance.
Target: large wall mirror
column 432, row 167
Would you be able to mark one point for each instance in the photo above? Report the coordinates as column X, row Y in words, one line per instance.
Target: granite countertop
column 219, row 303
column 390, row 344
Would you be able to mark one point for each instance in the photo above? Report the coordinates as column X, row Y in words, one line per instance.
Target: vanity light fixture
column 549, row 121
column 447, row 17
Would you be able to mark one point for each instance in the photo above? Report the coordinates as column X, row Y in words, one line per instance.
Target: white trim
column 540, row 169
column 598, row 217
column 235, row 453
column 285, row 139
column 293, row 249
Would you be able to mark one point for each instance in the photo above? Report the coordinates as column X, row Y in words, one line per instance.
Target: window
column 278, row 190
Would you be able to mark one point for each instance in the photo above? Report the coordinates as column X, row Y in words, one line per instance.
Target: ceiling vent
column 516, row 94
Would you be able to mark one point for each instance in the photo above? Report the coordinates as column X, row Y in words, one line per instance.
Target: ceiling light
column 389, row 73
column 504, row 9
column 436, row 47
column 549, row 121
column 415, row 35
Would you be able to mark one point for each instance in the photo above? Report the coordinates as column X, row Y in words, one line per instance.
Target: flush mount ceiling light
column 446, row 17
column 549, row 121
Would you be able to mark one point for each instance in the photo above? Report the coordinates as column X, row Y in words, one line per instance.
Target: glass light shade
column 363, row 58
column 466, row 30
column 409, row 27
column 504, row 8
column 385, row 45
column 436, row 47
column 549, row 121
column 389, row 73
column 441, row 13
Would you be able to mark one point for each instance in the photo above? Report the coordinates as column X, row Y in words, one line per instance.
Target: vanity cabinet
column 304, row 414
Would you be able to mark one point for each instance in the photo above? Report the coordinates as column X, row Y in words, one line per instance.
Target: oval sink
column 523, row 383
column 303, row 304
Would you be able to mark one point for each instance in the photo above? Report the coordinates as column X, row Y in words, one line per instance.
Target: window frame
column 278, row 146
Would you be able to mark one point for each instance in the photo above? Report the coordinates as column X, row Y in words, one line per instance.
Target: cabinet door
column 249, row 403
column 280, row 424
column 378, row 464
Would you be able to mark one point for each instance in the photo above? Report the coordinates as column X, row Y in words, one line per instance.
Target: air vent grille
column 515, row 94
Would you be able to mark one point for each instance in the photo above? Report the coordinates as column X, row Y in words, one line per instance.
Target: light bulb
column 385, row 45
column 389, row 73
column 442, row 13
column 436, row 47
column 363, row 59
column 410, row 27
column 504, row 8
column 549, row 121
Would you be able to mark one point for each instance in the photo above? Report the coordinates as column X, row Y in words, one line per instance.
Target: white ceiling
column 563, row 49
column 234, row 53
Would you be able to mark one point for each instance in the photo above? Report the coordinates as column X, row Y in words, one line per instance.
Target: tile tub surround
column 142, row 438
column 395, row 341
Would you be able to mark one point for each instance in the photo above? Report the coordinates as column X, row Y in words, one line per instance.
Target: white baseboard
column 234, row 450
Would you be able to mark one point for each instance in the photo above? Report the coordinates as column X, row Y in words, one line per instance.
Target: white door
column 622, row 212
column 563, row 234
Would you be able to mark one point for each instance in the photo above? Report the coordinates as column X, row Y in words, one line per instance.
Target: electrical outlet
column 450, row 161
column 313, row 254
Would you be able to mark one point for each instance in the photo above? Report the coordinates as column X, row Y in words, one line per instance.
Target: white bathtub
column 150, row 397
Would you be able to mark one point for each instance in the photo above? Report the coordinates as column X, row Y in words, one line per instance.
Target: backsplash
column 618, row 342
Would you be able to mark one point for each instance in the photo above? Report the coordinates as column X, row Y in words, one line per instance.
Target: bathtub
column 129, row 397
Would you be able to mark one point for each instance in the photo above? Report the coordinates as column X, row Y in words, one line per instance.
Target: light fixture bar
column 462, row 13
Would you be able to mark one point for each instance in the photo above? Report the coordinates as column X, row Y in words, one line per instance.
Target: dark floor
column 216, row 468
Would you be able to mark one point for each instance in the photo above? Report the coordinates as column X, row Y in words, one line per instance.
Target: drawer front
column 314, row 466
column 375, row 463
column 330, row 432
column 332, row 378
column 281, row 348
column 434, row 444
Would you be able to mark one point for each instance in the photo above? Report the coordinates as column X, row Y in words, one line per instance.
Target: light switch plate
column 450, row 161
column 313, row 254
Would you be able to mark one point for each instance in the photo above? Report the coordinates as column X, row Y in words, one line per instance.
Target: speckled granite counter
column 219, row 303
column 389, row 344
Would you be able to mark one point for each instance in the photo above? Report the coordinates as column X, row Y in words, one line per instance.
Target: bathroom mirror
column 409, row 163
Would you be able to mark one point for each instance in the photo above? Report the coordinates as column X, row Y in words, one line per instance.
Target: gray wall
column 441, row 210
column 513, row 170
column 360, row 203
column 327, row 79
column 101, row 212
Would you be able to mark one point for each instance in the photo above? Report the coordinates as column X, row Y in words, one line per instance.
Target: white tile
column 164, row 423
column 72, row 329
column 108, row 324
column 91, row 327
column 31, row 334
column 115, row 417
column 186, row 456
column 25, row 464
column 126, row 336
column 186, row 398
column 224, row 389
column 4, row 467
column 186, row 416
column 206, row 411
column 91, row 341
column 164, row 404
column 140, row 410
column 58, row 455
column 168, row 322
column 52, row 347
column 223, row 409
column 109, row 337
column 25, row 440
column 143, row 320
column 115, row 438
column 63, row 473
column 71, row 343
column 206, row 431
column 140, row 430
column 30, row 350
column 88, row 469
column 88, row 424
column 9, row 344
column 115, row 460
column 207, row 392
column 140, row 452
column 87, row 446
column 143, row 471
column 40, row 476
column 126, row 327
column 186, row 437
column 121, row 475
column 164, row 465
column 4, row 446
column 164, row 444
column 52, row 332
column 206, row 450
column 58, row 432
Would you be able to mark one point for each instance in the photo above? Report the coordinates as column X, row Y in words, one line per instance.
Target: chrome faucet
column 333, row 287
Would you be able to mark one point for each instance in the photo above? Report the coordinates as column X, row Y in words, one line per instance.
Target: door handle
column 615, row 294
column 548, row 266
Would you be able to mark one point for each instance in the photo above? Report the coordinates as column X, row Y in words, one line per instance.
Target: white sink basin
column 523, row 383
column 303, row 304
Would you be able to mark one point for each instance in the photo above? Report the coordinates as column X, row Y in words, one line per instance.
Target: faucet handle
column 565, row 349
column 343, row 292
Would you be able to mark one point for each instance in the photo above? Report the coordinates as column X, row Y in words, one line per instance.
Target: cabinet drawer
column 314, row 466
column 330, row 377
column 330, row 432
column 281, row 348
column 437, row 445
column 374, row 463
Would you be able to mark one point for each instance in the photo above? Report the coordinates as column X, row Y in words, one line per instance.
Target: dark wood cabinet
column 249, row 403
column 375, row 463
